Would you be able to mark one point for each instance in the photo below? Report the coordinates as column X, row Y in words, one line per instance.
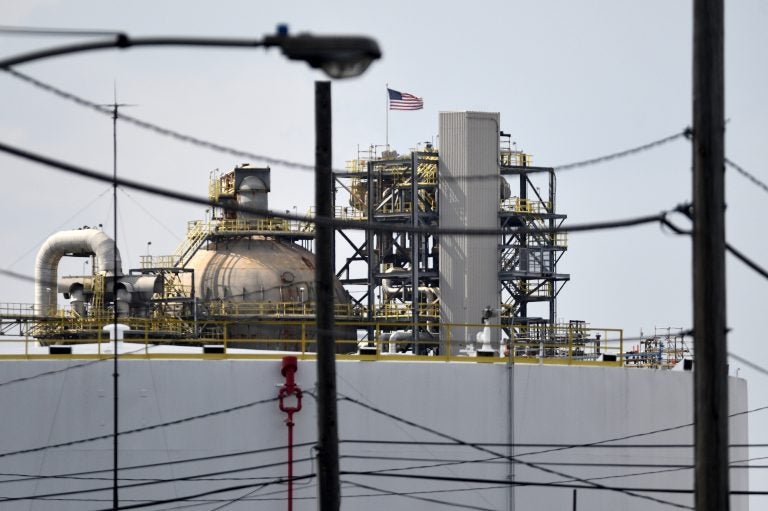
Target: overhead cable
column 624, row 153
column 625, row 490
column 302, row 166
column 748, row 363
column 338, row 224
column 419, row 497
column 687, row 210
column 64, row 369
column 153, row 482
column 159, row 129
column 433, row 431
column 746, row 174
column 58, row 32
column 159, row 464
column 141, row 429
column 564, row 446
column 206, row 493
column 60, row 226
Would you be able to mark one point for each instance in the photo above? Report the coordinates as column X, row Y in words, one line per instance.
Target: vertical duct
column 469, row 265
column 252, row 187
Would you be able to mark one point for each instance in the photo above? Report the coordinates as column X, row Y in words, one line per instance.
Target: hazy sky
column 571, row 80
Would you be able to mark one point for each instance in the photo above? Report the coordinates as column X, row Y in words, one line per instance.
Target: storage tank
column 253, row 285
column 262, row 292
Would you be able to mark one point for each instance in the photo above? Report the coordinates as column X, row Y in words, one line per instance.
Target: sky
column 571, row 81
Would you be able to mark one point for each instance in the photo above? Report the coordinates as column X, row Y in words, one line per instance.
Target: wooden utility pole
column 709, row 322
column 327, row 422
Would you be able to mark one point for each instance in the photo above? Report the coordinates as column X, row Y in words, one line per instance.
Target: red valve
column 289, row 388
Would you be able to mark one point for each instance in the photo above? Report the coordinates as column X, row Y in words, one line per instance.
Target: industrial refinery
column 445, row 307
column 246, row 280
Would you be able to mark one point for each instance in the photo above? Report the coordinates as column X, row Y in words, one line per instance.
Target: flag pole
column 387, row 110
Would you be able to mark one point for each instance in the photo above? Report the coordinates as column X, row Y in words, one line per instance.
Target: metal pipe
column 81, row 242
column 290, row 390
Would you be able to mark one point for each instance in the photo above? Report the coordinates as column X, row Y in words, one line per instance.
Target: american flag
column 404, row 101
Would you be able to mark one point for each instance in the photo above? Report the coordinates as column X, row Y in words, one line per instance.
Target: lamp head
column 337, row 56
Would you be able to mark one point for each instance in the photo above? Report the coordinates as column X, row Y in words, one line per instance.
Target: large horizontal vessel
column 457, row 386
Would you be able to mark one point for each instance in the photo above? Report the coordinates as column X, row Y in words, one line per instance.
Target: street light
column 337, row 56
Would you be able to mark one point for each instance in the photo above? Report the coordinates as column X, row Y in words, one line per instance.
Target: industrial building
column 457, row 385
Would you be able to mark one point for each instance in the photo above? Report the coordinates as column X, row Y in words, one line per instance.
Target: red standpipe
column 289, row 388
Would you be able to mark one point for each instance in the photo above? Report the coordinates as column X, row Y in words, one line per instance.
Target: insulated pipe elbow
column 83, row 242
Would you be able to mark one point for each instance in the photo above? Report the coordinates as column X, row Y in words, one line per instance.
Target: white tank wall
column 469, row 265
column 467, row 401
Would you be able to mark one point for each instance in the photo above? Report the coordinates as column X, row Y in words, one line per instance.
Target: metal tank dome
column 251, row 283
column 254, row 284
column 254, row 270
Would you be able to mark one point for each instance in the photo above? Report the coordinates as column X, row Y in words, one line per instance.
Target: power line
column 210, row 492
column 150, row 215
column 489, row 451
column 556, row 446
column 42, row 31
column 685, row 209
column 161, row 464
column 748, row 363
column 594, row 486
column 302, row 166
column 152, row 482
column 746, row 174
column 61, row 224
column 501, row 459
column 417, row 497
column 746, row 260
column 64, row 369
column 625, row 490
column 338, row 224
column 141, row 429
column 159, row 129
column 627, row 152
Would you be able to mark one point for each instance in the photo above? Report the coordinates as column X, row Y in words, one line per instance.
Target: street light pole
column 327, row 421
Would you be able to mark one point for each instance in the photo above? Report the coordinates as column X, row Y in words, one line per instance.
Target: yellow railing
column 519, row 205
column 349, row 213
column 356, row 165
column 379, row 340
column 398, row 207
column 404, row 310
column 515, row 158
column 535, row 288
column 273, row 309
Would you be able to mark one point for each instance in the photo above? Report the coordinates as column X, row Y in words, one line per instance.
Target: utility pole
column 327, row 422
column 709, row 321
